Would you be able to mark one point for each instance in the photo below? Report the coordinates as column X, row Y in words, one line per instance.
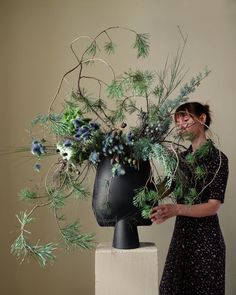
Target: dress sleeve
column 218, row 179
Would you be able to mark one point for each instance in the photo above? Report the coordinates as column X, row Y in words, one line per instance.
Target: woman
column 195, row 262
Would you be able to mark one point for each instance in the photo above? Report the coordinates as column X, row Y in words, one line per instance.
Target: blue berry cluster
column 94, row 157
column 118, row 146
column 112, row 144
column 156, row 131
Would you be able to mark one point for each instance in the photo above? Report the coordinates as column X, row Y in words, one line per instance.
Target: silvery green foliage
column 167, row 159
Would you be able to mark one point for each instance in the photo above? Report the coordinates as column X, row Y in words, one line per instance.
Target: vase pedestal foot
column 125, row 235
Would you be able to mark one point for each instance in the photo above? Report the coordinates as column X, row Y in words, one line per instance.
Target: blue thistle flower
column 82, row 132
column 37, row 148
column 67, row 143
column 85, row 135
column 83, row 129
column 94, row 125
column 37, row 167
column 78, row 122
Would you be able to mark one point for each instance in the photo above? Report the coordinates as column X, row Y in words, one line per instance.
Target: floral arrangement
column 92, row 126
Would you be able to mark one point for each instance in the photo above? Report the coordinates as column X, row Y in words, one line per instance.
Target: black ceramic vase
column 113, row 201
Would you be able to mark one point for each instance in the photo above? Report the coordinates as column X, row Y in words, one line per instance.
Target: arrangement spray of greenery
column 91, row 126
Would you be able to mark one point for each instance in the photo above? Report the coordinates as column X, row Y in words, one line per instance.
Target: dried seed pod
column 119, row 132
column 114, row 133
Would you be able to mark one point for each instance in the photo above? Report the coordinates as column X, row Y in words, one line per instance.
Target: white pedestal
column 121, row 272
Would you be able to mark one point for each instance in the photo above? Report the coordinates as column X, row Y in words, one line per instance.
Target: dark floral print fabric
column 195, row 263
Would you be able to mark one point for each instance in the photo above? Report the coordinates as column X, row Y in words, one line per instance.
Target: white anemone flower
column 66, row 152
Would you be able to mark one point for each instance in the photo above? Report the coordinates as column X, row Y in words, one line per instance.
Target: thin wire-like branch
column 60, row 85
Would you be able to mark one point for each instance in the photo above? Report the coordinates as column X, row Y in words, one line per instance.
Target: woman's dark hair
column 195, row 109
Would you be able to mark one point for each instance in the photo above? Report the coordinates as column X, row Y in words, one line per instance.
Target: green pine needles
column 24, row 250
column 142, row 45
column 72, row 237
column 93, row 125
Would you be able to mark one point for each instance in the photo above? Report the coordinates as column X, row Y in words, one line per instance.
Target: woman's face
column 188, row 125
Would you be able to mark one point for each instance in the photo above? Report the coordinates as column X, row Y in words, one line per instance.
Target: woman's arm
column 162, row 212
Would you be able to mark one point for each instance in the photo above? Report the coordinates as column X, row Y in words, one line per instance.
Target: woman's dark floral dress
column 195, row 262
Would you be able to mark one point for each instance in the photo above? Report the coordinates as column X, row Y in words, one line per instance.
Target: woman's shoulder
column 218, row 154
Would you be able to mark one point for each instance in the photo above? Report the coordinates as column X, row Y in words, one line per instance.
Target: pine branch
column 92, row 49
column 109, row 47
column 142, row 45
column 23, row 250
column 56, row 197
column 79, row 191
column 27, row 194
column 73, row 238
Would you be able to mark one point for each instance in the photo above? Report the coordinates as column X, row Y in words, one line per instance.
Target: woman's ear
column 202, row 119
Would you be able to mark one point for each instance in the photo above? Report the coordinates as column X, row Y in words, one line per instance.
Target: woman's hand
column 162, row 212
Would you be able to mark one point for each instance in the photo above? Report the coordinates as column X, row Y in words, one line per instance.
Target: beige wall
column 34, row 54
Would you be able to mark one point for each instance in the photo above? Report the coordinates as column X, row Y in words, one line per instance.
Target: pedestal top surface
column 144, row 247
